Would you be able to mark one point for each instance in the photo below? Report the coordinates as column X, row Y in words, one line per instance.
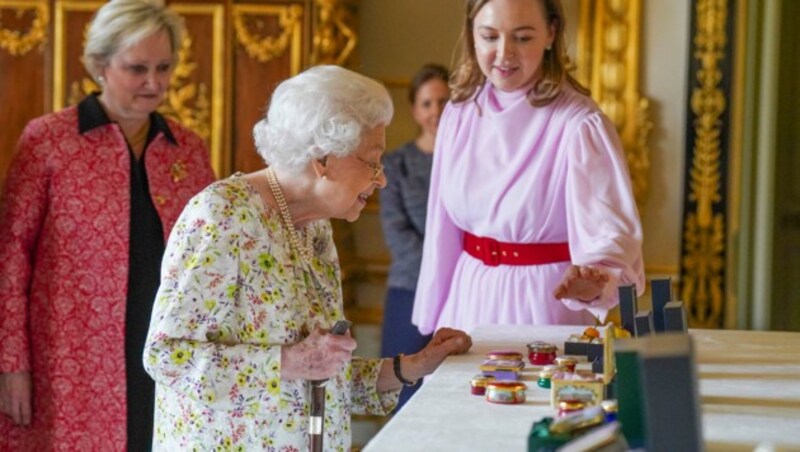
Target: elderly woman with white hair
column 88, row 204
column 251, row 283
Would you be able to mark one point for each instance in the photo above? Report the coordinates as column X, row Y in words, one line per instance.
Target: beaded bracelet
column 398, row 373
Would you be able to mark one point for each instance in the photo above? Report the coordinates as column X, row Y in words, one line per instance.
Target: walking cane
column 316, row 423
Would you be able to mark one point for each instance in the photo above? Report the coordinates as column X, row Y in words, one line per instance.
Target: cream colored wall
column 665, row 46
column 397, row 36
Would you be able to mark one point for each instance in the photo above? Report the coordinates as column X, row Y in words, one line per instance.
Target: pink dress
column 521, row 174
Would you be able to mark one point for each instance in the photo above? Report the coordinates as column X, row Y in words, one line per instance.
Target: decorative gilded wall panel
column 19, row 41
column 703, row 253
column 335, row 36
column 268, row 43
column 195, row 95
column 609, row 36
column 24, row 39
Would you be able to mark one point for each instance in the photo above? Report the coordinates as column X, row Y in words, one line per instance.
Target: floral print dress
column 232, row 293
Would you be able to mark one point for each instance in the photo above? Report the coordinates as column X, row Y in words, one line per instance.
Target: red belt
column 495, row 253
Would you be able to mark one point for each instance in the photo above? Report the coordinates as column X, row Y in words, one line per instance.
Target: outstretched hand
column 582, row 283
column 445, row 342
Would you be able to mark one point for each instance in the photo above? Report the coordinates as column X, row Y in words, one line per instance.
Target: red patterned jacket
column 64, row 231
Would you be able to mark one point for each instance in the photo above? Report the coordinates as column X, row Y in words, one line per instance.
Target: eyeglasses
column 377, row 168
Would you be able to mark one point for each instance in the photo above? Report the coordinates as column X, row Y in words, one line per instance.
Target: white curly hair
column 322, row 111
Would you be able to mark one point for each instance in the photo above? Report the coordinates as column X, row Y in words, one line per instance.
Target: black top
column 146, row 248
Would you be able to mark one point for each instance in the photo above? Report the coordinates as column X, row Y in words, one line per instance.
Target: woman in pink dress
column 531, row 216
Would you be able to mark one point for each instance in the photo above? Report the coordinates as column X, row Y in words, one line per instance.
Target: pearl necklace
column 304, row 249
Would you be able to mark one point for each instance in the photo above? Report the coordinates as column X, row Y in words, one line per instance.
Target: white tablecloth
column 749, row 389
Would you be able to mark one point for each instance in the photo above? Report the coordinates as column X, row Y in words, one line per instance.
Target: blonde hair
column 121, row 23
column 322, row 111
column 468, row 78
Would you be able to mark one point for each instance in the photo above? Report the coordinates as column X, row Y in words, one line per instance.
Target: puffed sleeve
column 22, row 211
column 443, row 239
column 602, row 218
column 197, row 343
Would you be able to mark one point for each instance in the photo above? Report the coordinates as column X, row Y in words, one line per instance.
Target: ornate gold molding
column 704, row 228
column 267, row 48
column 334, row 35
column 609, row 35
column 213, row 124
column 19, row 43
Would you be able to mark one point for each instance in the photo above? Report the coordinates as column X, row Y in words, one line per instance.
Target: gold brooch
column 178, row 171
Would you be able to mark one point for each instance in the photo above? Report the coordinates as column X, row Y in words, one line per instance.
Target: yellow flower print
column 209, row 259
column 209, row 396
column 180, row 356
column 225, row 362
column 266, row 261
column 275, row 367
column 241, row 379
column 290, row 425
column 249, row 370
column 210, row 304
column 227, row 442
column 231, row 291
column 252, row 409
column 192, row 262
column 212, row 231
column 274, row 386
column 163, row 301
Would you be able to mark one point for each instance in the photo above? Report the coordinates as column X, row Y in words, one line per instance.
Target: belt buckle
column 491, row 253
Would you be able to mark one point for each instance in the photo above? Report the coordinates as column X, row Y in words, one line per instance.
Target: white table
column 749, row 390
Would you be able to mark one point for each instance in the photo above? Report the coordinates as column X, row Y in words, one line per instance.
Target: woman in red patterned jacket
column 89, row 202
